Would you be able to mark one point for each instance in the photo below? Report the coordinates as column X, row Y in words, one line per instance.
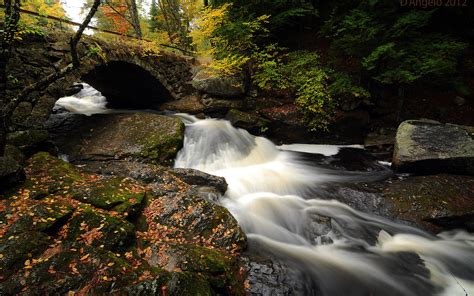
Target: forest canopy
column 322, row 53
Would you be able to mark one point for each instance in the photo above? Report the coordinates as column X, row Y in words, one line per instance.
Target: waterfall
column 87, row 101
column 273, row 193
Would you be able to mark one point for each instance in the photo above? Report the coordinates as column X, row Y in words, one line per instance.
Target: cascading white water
column 87, row 101
column 273, row 194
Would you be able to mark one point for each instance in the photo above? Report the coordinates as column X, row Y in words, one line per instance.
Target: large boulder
column 148, row 137
column 216, row 84
column 428, row 147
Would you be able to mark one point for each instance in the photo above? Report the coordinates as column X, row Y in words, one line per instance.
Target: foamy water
column 340, row 250
column 88, row 101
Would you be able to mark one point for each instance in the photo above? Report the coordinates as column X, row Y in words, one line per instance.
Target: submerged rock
column 429, row 147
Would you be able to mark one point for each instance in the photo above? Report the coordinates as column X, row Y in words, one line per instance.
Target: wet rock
column 10, row 172
column 436, row 202
column 429, row 147
column 221, row 271
column 48, row 175
column 100, row 230
column 21, row 113
column 148, row 137
column 216, row 84
column 189, row 104
column 195, row 177
column 74, row 89
column 15, row 249
column 193, row 219
column 251, row 122
column 27, row 138
column 219, row 107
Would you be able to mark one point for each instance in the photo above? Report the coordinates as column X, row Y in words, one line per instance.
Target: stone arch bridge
column 130, row 76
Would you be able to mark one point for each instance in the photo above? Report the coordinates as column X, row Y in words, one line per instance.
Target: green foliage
column 154, row 22
column 433, row 57
column 393, row 46
column 96, row 50
column 270, row 72
column 235, row 44
column 230, row 43
column 24, row 29
column 314, row 100
column 301, row 72
column 342, row 87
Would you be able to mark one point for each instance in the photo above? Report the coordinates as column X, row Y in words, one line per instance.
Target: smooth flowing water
column 337, row 250
column 278, row 198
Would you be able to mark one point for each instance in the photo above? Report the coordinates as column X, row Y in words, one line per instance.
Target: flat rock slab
column 148, row 137
column 429, row 147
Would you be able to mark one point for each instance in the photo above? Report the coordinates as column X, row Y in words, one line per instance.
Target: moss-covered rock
column 119, row 194
column 100, row 230
column 48, row 175
column 222, row 271
column 63, row 268
column 16, row 249
column 188, row 218
column 251, row 122
column 148, row 137
column 28, row 137
column 65, row 229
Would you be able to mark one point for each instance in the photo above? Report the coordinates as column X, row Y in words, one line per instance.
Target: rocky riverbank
column 65, row 229
column 117, row 222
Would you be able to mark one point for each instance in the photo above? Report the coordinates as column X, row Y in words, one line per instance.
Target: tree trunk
column 78, row 35
column 12, row 16
column 132, row 5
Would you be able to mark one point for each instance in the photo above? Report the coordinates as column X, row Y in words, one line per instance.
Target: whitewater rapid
column 273, row 193
column 87, row 101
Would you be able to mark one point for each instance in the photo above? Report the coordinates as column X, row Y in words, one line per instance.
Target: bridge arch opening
column 127, row 86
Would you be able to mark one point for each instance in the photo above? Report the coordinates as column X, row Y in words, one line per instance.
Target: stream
column 333, row 249
column 279, row 197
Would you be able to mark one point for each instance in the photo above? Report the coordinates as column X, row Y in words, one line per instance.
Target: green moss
column 221, row 271
column 187, row 283
column 163, row 146
column 100, row 229
column 29, row 137
column 111, row 193
column 16, row 248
